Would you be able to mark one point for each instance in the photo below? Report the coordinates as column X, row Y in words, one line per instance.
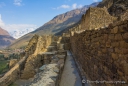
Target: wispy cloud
column 74, row 6
column 2, row 4
column 1, row 22
column 18, row 2
column 62, row 7
column 65, row 6
column 95, row 0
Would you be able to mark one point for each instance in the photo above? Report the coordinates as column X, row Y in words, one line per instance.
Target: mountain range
column 54, row 26
column 19, row 33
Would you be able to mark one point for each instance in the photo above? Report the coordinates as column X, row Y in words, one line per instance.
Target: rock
column 115, row 7
column 55, row 69
column 43, row 67
column 12, row 63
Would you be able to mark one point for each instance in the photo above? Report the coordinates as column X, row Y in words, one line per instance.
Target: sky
column 31, row 14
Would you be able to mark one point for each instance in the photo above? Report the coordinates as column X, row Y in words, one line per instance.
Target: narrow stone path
column 70, row 75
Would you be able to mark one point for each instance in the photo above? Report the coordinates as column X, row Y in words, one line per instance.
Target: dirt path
column 70, row 76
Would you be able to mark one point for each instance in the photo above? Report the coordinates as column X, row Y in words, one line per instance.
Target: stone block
column 114, row 30
column 114, row 56
column 118, row 37
column 125, row 37
column 67, row 46
column 99, row 53
column 105, row 36
column 108, row 43
column 95, row 67
column 104, row 50
column 111, row 37
column 12, row 63
column 123, row 28
column 120, row 73
column 117, row 50
column 115, row 44
column 124, row 65
column 123, row 44
column 124, row 51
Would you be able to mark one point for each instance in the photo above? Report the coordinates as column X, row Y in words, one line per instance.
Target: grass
column 3, row 66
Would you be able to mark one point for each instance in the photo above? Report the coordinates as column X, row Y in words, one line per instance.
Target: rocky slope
column 5, row 38
column 54, row 26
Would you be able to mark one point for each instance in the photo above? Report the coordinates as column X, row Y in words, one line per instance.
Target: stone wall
column 124, row 16
column 13, row 74
column 26, row 67
column 96, row 18
column 103, row 53
column 38, row 44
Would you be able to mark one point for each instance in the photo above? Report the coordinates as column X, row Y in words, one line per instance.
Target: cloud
column 63, row 7
column 17, row 27
column 80, row 6
column 18, row 2
column 95, row 0
column 2, row 4
column 74, row 6
column 1, row 22
column 13, row 27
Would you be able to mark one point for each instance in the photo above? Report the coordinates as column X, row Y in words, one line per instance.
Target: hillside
column 5, row 38
column 54, row 26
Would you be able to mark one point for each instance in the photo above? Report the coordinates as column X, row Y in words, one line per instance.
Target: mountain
column 5, row 38
column 19, row 33
column 57, row 24
column 3, row 32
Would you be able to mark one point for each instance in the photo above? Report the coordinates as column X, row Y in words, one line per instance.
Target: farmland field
column 3, row 66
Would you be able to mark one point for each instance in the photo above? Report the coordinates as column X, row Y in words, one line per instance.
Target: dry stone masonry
column 41, row 51
column 36, row 45
column 103, row 53
column 96, row 18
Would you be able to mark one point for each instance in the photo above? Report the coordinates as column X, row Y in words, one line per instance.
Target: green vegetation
column 3, row 66
column 12, row 84
column 14, row 56
column 1, row 57
column 4, row 61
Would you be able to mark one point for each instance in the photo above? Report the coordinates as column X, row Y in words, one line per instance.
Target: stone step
column 62, row 52
column 61, row 56
column 60, row 46
column 48, row 77
column 51, row 48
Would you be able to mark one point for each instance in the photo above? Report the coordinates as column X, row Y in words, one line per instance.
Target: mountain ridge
column 5, row 38
column 55, row 25
column 3, row 32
